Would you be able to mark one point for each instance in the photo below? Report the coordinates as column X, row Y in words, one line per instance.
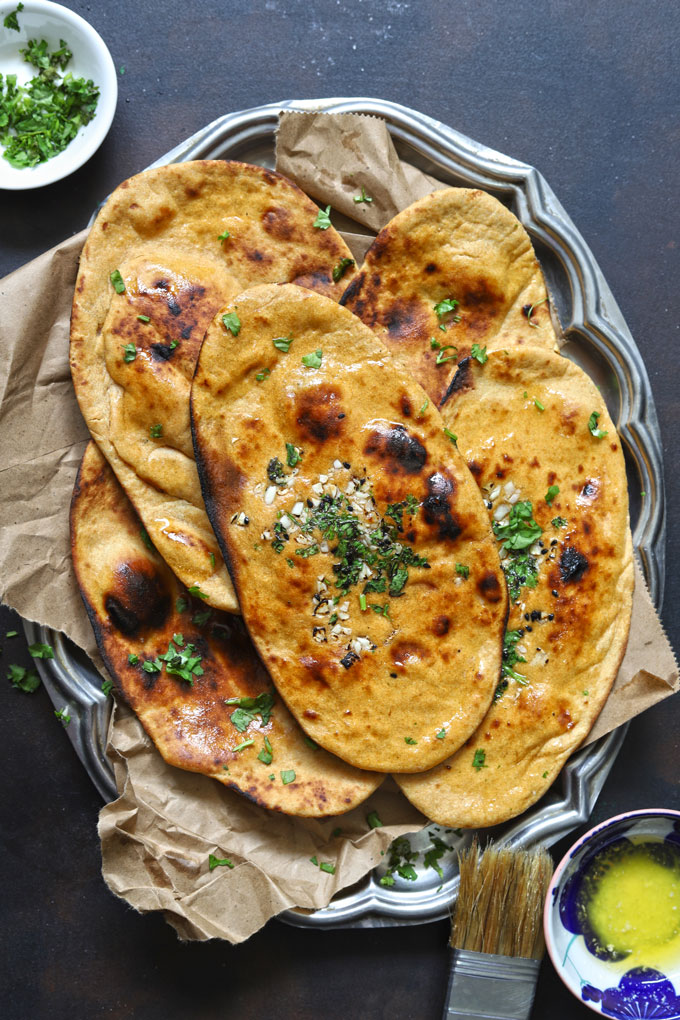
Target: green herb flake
column 129, row 352
column 362, row 603
column 195, row 590
column 327, row 867
column 11, row 21
column 152, row 665
column 463, row 570
column 442, row 308
column 539, row 405
column 529, row 311
column 156, row 431
column 133, row 659
column 246, row 743
column 107, row 687
column 452, row 436
column 224, row 236
column 288, row 776
column 173, row 344
column 545, row 775
column 248, row 708
column 312, row 360
column 479, row 354
column 117, row 281
column 410, row 740
column 374, row 821
column 323, row 219
column 423, row 409
column 440, row 735
column 23, row 679
column 212, row 559
column 63, row 715
column 520, row 530
column 592, row 425
column 261, row 376
column 40, row 651
column 266, row 755
column 181, row 604
column 434, row 344
column 144, row 535
column 432, row 857
column 443, row 357
column 341, row 268
column 293, row 455
column 11, row 633
column 363, row 197
column 551, row 493
column 479, row 760
column 559, row 522
column 387, row 881
column 231, row 321
column 143, row 318
column 219, row 862
column 272, row 777
column 282, row 343
column 310, row 743
column 511, row 657
column 314, row 860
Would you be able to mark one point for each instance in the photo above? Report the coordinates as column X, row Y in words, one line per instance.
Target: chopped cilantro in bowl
column 58, row 91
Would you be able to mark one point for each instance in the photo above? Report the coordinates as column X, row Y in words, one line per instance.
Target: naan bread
column 161, row 231
column 522, row 421
column 131, row 599
column 324, row 442
column 453, row 244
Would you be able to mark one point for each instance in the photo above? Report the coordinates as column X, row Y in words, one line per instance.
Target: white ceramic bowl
column 610, row 988
column 41, row 19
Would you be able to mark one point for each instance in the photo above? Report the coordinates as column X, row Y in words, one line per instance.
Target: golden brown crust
column 426, row 672
column 131, row 599
column 574, row 624
column 163, row 227
column 454, row 243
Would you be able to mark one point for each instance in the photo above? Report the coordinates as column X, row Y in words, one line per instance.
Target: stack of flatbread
column 335, row 522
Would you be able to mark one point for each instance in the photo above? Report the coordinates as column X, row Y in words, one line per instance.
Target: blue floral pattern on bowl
column 598, row 977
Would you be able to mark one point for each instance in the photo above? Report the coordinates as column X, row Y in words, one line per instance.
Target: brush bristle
column 500, row 901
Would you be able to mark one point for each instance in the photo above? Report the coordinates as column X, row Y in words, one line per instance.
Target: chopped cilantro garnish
column 212, row 559
column 363, row 197
column 311, row 550
column 551, row 493
column 282, row 343
column 152, row 665
column 287, row 776
column 173, row 344
column 129, row 352
column 511, row 656
column 592, row 425
column 479, row 353
column 133, row 659
column 145, row 318
column 23, row 679
column 219, row 862
column 117, row 281
column 341, row 268
column 40, row 651
column 410, row 740
column 248, row 708
column 181, row 604
column 11, row 21
column 400, row 860
column 423, row 409
column 107, row 687
column 463, row 570
column 11, row 633
column 185, row 663
column 224, row 236
column 261, row 376
column 311, row 743
column 432, row 857
column 387, row 881
column 445, row 306
column 434, row 344
column 539, row 405
column 292, row 455
column 231, row 321
column 327, row 866
column 266, row 754
column 545, row 775
column 156, row 431
column 275, row 472
column 312, row 360
column 201, row 617
column 374, row 821
column 521, row 530
column 314, row 860
column 479, row 760
column 558, row 522
column 195, row 590
column 452, row 436
column 323, row 219
column 246, row 743
column 144, row 535
column 441, row 734
column 63, row 715
column 521, row 571
column 442, row 357
column 529, row 311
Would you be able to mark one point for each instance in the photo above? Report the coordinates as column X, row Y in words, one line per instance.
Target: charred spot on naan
column 438, row 509
column 319, row 412
column 395, row 448
column 462, row 381
column 138, row 599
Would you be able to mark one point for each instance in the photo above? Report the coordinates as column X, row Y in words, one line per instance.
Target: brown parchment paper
column 156, row 837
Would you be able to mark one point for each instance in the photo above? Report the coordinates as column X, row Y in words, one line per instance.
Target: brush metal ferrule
column 490, row 987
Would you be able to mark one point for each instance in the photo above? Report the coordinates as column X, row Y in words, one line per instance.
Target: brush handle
column 483, row 986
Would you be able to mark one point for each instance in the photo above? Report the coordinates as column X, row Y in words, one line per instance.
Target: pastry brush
column 497, row 933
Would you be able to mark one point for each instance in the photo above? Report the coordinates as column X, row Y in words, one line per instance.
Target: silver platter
column 597, row 338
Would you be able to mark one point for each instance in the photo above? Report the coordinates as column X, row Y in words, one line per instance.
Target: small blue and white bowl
column 607, row 985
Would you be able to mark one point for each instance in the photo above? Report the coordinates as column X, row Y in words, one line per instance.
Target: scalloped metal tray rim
column 596, row 320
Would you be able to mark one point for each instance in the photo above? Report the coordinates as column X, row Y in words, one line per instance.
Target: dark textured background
column 585, row 90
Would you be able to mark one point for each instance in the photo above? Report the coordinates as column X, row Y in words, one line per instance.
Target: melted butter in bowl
column 612, row 916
